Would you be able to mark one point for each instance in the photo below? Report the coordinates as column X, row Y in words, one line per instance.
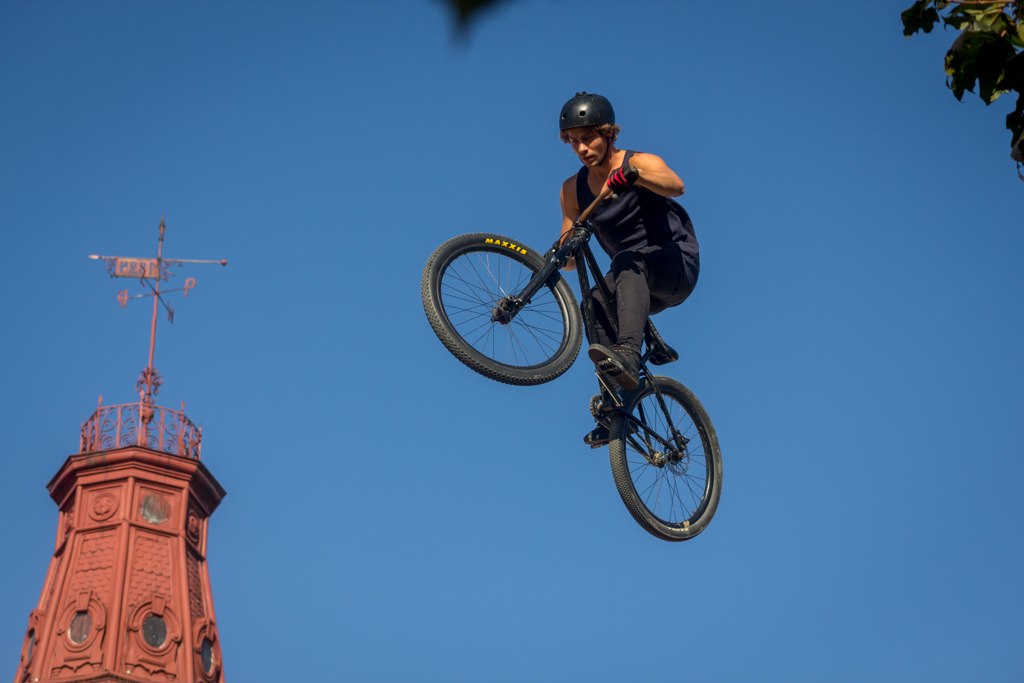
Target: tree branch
column 981, row 2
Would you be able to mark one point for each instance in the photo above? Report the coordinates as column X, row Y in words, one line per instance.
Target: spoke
column 674, row 485
column 544, row 338
column 487, row 328
column 514, row 345
column 696, row 495
column 554, row 316
column 495, row 279
column 645, row 494
column 673, row 498
column 469, row 293
column 657, row 497
column 636, row 474
column 476, row 310
column 473, row 284
column 675, row 491
column 476, row 271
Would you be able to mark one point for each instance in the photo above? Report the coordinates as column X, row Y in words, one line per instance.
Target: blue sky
column 392, row 516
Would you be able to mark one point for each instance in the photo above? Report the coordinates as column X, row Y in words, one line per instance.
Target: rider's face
column 589, row 145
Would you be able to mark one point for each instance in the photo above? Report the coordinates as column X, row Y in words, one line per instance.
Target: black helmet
column 586, row 109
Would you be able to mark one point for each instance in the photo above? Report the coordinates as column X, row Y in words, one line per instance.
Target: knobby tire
column 676, row 500
column 462, row 283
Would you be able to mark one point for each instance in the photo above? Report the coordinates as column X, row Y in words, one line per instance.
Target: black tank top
column 637, row 218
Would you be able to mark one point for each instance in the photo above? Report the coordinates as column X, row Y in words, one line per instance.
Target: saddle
column 658, row 350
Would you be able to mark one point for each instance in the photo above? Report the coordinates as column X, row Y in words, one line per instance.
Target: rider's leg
column 604, row 315
column 673, row 276
column 647, row 281
column 604, row 336
column 618, row 364
column 632, row 297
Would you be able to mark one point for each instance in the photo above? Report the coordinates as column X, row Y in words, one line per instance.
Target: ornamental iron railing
column 139, row 424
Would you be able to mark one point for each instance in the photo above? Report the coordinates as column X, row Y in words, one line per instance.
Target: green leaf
column 1015, row 124
column 958, row 19
column 960, row 63
column 1015, row 119
column 986, row 52
column 919, row 17
column 992, row 20
column 1013, row 73
column 992, row 57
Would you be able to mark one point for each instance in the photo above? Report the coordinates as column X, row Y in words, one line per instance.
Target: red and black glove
column 622, row 178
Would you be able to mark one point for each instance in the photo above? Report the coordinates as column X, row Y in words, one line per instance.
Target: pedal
column 597, row 437
column 609, row 380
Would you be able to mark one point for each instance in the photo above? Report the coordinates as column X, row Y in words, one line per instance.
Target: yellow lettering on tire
column 508, row 245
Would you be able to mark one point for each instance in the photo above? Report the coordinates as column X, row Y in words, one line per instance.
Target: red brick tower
column 127, row 594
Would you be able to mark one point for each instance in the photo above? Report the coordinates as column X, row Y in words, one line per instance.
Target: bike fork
column 509, row 306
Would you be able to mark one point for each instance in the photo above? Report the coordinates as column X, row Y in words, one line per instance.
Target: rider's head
column 588, row 110
column 584, row 115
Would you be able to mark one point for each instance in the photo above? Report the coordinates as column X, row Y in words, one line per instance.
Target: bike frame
column 575, row 246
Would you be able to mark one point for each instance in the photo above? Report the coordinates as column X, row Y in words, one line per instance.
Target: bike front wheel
column 465, row 283
column 666, row 460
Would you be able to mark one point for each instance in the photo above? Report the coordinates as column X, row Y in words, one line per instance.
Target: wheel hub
column 505, row 310
column 674, row 458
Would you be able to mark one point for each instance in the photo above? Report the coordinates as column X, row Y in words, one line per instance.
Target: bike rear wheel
column 464, row 282
column 670, row 482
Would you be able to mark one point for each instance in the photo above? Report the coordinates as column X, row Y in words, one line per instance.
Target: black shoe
column 597, row 437
column 619, row 363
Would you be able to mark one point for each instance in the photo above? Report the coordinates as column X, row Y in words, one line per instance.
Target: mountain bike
column 505, row 311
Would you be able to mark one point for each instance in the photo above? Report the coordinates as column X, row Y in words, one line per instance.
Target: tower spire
column 127, row 595
column 149, row 374
column 151, row 272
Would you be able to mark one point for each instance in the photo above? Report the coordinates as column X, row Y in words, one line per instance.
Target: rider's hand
column 622, row 178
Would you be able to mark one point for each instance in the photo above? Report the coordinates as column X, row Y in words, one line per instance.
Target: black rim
column 674, row 484
column 471, row 285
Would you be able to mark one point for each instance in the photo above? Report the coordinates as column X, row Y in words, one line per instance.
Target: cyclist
column 649, row 236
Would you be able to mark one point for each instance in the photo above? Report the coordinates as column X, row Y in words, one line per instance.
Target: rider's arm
column 656, row 176
column 570, row 210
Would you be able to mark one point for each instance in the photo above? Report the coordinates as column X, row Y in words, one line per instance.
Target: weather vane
column 150, row 272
